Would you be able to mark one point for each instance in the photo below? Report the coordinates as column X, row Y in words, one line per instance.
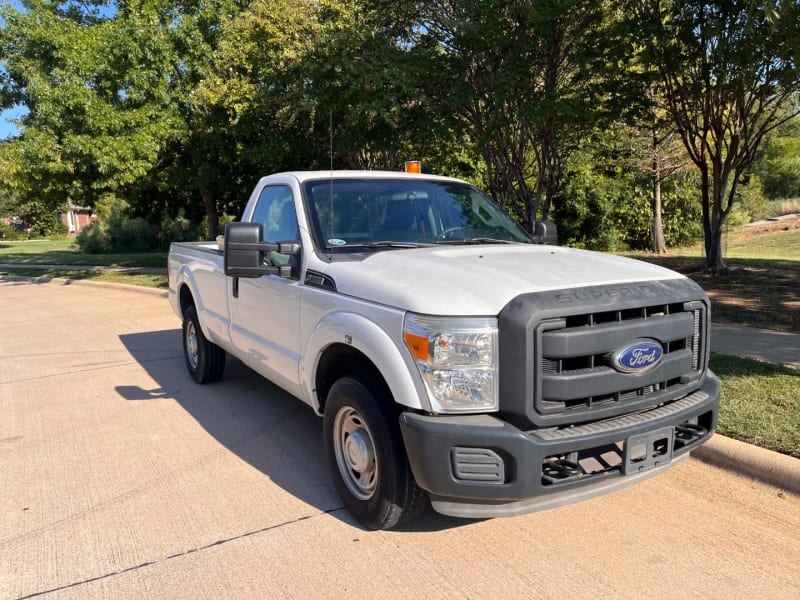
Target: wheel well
column 186, row 298
column 339, row 360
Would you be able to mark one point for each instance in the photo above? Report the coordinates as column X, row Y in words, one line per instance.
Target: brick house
column 76, row 218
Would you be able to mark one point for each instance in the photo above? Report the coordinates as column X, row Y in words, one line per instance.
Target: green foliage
column 729, row 74
column 607, row 206
column 60, row 231
column 117, row 232
column 93, row 239
column 8, row 232
column 751, row 201
column 177, row 108
column 202, row 232
column 778, row 166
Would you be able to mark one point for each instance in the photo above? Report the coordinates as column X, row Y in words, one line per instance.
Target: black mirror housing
column 244, row 252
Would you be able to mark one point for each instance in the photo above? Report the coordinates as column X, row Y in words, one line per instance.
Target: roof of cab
column 303, row 176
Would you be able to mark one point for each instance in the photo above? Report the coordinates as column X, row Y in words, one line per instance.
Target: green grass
column 142, row 279
column 781, row 246
column 61, row 252
column 761, row 287
column 760, row 403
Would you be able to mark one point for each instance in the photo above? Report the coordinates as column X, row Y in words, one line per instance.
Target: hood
column 479, row 280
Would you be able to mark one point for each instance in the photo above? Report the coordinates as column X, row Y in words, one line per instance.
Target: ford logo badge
column 639, row 357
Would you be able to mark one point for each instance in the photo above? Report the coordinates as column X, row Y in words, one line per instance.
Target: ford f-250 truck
column 452, row 356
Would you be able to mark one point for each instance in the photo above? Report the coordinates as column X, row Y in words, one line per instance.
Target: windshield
column 386, row 213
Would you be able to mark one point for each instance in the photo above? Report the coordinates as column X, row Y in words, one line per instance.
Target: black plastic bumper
column 481, row 466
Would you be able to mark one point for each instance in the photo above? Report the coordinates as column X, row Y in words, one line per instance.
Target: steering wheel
column 453, row 233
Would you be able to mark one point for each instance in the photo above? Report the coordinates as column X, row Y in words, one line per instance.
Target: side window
column 275, row 211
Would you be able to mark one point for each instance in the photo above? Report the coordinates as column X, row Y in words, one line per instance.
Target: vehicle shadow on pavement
column 263, row 425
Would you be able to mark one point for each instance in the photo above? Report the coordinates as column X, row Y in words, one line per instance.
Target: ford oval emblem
column 639, row 357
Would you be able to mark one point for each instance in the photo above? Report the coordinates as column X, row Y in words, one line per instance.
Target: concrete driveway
column 121, row 478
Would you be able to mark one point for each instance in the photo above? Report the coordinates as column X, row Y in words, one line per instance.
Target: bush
column 117, row 235
column 224, row 219
column 59, row 231
column 8, row 232
column 752, row 203
column 93, row 239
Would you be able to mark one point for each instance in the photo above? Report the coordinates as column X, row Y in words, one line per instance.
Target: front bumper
column 480, row 466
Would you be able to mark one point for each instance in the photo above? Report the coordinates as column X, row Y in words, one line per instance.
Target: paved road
column 762, row 344
column 120, row 478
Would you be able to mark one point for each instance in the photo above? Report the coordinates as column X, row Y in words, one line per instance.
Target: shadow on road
column 263, row 425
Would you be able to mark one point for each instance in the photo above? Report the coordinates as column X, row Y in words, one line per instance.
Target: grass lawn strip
column 60, row 252
column 760, row 403
column 142, row 279
column 761, row 289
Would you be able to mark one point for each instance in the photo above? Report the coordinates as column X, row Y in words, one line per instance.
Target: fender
column 215, row 326
column 395, row 365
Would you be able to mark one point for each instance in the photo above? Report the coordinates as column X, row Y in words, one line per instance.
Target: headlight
column 457, row 358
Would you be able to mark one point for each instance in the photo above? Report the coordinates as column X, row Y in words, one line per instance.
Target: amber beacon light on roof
column 413, row 166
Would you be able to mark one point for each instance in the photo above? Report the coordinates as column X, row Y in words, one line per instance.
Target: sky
column 7, row 128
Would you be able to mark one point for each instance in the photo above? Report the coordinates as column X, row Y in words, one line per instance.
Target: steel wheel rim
column 355, row 453
column 191, row 345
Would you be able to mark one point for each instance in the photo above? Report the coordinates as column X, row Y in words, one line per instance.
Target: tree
column 93, row 79
column 659, row 153
column 525, row 81
column 778, row 166
column 730, row 75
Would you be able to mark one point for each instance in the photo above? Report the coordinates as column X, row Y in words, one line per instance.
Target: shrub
column 752, row 203
column 224, row 219
column 93, row 239
column 59, row 231
column 8, row 232
column 179, row 229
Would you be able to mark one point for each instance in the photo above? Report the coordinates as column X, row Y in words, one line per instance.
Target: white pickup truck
column 453, row 357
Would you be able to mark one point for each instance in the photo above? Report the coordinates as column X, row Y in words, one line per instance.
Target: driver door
column 266, row 315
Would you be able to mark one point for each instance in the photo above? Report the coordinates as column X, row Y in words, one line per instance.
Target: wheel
column 366, row 455
column 204, row 360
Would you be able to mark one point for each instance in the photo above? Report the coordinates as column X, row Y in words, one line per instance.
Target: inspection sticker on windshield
column 336, row 242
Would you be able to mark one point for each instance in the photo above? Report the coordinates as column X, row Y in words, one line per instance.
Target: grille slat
column 574, row 358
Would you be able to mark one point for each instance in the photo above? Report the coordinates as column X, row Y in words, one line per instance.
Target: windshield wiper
column 478, row 240
column 381, row 244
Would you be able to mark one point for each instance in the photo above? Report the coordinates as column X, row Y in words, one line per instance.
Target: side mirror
column 545, row 232
column 244, row 252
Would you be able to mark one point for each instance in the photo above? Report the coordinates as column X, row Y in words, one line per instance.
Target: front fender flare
column 392, row 361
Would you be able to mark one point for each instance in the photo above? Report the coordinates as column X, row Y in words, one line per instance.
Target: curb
column 82, row 282
column 766, row 466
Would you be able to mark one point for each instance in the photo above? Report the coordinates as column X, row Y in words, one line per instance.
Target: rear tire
column 205, row 360
column 366, row 455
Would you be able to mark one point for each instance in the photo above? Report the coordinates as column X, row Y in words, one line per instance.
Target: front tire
column 205, row 360
column 366, row 455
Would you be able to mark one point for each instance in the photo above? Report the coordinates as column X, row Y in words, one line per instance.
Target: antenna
column 330, row 179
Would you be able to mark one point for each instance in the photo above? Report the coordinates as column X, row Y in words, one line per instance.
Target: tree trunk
column 657, row 242
column 211, row 216
column 713, row 219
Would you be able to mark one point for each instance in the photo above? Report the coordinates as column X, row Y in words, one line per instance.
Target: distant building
column 77, row 217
